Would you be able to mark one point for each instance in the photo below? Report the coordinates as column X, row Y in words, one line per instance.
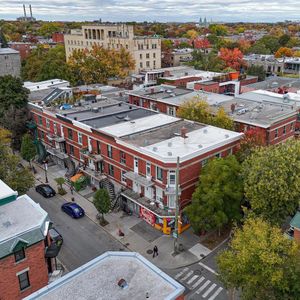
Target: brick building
column 276, row 122
column 23, row 240
column 23, row 48
column 136, row 150
column 58, row 38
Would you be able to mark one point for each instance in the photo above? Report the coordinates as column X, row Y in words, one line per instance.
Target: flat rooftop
column 6, row 192
column 6, row 51
column 46, row 84
column 177, row 96
column 98, row 279
column 257, row 113
column 275, row 82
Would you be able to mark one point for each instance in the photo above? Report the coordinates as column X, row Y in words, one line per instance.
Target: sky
column 155, row 10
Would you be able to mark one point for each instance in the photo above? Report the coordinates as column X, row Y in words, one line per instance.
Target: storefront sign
column 148, row 216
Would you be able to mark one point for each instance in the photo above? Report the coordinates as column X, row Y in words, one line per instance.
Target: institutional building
column 10, row 62
column 135, row 149
column 24, row 253
column 145, row 50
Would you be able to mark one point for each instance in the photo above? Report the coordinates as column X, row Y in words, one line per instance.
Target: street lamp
column 45, row 169
column 175, row 233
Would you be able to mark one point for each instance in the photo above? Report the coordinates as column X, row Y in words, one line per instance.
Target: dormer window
column 19, row 255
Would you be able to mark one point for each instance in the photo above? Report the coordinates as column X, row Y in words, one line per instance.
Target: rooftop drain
column 122, row 283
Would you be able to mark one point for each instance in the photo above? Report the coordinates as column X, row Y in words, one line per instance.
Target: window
column 159, row 174
column 109, row 151
column 147, row 55
column 122, row 157
column 171, row 111
column 292, row 126
column 42, row 135
column 284, row 129
column 40, row 120
column 153, row 46
column 147, row 63
column 141, row 56
column 159, row 195
column 55, row 128
column 204, row 162
column 111, row 170
column 71, row 150
column 123, row 178
column 276, row 133
column 153, row 55
column 80, row 138
column 172, row 201
column 24, row 280
column 218, row 155
column 70, row 134
column 19, row 255
column 141, row 65
column 148, row 169
column 172, row 178
column 47, row 123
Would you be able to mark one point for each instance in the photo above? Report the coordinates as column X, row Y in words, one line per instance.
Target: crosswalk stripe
column 187, row 276
column 209, row 290
column 203, row 287
column 181, row 273
column 197, row 282
column 193, row 279
column 215, row 294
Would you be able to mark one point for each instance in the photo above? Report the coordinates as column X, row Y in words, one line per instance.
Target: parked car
column 73, row 210
column 45, row 190
column 55, row 237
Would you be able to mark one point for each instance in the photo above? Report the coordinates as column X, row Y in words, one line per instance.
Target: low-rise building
column 134, row 150
column 24, row 245
column 114, row 275
column 10, row 62
column 23, row 48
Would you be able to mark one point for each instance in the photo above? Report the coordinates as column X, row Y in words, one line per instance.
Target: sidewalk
column 139, row 236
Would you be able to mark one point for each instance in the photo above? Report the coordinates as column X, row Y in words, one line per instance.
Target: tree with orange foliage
column 244, row 45
column 284, row 51
column 233, row 58
column 201, row 43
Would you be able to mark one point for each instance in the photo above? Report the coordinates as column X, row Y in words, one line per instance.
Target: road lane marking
column 209, row 291
column 187, row 276
column 181, row 273
column 215, row 294
column 208, row 268
column 203, row 287
column 198, row 282
column 193, row 279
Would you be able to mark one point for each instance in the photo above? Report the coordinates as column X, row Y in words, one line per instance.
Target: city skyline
column 155, row 10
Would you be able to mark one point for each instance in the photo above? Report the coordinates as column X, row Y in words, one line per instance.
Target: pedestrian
column 73, row 199
column 155, row 251
column 71, row 189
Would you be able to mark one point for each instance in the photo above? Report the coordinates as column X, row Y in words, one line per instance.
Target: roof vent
column 120, row 104
column 95, row 109
column 127, row 118
column 183, row 132
column 169, row 144
column 170, row 154
column 226, row 136
column 75, row 118
column 200, row 146
column 122, row 283
column 130, row 107
column 146, row 142
column 205, row 131
column 154, row 149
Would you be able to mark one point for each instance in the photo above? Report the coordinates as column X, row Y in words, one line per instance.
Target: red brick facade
column 36, row 265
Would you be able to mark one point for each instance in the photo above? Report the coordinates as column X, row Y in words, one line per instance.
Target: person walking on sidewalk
column 155, row 251
column 71, row 189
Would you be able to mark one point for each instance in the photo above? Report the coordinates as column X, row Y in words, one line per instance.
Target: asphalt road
column 83, row 239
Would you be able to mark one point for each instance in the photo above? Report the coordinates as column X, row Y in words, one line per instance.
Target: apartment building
column 145, row 50
column 10, row 62
column 24, row 253
column 135, row 149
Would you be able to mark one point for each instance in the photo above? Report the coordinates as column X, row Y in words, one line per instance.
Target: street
column 83, row 239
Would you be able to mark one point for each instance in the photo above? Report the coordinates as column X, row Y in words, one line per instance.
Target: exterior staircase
column 108, row 185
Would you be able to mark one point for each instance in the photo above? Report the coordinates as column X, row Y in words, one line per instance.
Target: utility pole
column 175, row 233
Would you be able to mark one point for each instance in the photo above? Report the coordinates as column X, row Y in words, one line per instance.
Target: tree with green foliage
column 13, row 109
column 197, row 109
column 43, row 64
column 99, row 64
column 261, row 263
column 28, row 149
column 218, row 29
column 272, row 181
column 13, row 173
column 259, row 48
column 218, row 196
column 207, row 62
column 271, row 42
column 283, row 40
column 102, row 203
column 258, row 71
column 3, row 41
column 48, row 28
column 60, row 181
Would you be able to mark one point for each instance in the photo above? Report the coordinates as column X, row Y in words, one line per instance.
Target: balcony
column 148, row 204
column 56, row 152
column 144, row 181
column 92, row 173
column 90, row 155
column 171, row 190
column 55, row 137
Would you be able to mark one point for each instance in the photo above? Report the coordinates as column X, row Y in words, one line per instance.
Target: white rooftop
column 42, row 85
column 6, row 191
column 8, row 51
column 138, row 125
column 20, row 216
column 198, row 142
column 98, row 279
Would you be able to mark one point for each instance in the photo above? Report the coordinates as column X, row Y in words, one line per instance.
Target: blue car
column 73, row 210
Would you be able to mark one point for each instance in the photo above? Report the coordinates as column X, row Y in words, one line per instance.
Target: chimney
column 152, row 90
column 30, row 10
column 232, row 107
column 183, row 132
column 24, row 10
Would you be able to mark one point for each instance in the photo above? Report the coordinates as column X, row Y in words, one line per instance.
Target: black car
column 45, row 190
column 55, row 237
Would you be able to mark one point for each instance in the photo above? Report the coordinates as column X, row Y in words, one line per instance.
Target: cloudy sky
column 155, row 10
